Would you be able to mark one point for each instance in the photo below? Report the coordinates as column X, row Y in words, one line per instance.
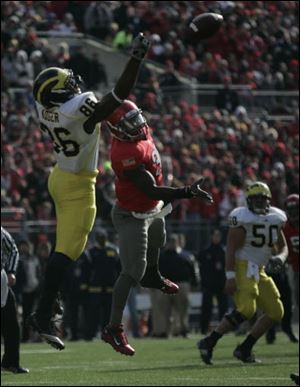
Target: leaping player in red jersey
column 138, row 216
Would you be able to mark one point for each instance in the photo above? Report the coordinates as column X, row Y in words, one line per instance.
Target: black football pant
column 10, row 331
column 207, row 306
column 98, row 313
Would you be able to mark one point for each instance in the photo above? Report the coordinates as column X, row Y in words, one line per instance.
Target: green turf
column 157, row 362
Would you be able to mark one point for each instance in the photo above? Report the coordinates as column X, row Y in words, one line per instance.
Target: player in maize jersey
column 255, row 239
column 138, row 216
column 72, row 120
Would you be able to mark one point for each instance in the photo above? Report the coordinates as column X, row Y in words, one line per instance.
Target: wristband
column 230, row 274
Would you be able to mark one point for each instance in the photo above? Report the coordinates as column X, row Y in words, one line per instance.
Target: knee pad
column 235, row 318
column 277, row 311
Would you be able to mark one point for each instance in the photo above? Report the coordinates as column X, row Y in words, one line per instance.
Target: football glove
column 195, row 191
column 140, row 47
column 274, row 265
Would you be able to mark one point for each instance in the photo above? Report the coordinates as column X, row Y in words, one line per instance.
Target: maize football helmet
column 54, row 86
column 291, row 206
column 258, row 196
column 127, row 122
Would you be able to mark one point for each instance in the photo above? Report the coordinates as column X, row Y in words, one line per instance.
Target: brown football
column 204, row 26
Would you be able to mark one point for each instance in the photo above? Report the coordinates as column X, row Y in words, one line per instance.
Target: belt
column 99, row 289
column 158, row 212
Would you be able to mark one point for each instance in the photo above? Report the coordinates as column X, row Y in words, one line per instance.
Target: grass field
column 157, row 362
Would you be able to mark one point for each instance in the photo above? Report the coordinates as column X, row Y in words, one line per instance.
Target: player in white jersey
column 72, row 120
column 255, row 239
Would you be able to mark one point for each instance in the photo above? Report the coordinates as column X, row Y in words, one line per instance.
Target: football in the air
column 204, row 26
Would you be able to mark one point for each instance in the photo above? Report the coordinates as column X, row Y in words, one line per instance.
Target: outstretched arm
column 144, row 180
column 126, row 82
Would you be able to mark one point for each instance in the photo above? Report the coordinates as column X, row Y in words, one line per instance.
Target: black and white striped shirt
column 9, row 252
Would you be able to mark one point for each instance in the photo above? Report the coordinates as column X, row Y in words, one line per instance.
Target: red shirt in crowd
column 129, row 155
column 292, row 237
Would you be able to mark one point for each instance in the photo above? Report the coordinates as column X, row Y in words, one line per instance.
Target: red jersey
column 129, row 155
column 292, row 237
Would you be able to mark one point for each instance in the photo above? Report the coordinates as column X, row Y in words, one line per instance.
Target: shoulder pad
column 281, row 214
column 72, row 107
column 238, row 217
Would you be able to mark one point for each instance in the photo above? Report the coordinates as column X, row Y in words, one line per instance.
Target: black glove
column 274, row 265
column 140, row 47
column 194, row 191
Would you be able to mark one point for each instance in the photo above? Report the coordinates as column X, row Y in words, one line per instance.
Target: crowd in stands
column 225, row 145
column 258, row 44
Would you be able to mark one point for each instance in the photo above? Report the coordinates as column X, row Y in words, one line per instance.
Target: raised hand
column 140, row 46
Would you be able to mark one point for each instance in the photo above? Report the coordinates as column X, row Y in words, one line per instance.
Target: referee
column 9, row 318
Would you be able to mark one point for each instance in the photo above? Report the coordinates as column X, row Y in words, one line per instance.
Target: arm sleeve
column 10, row 252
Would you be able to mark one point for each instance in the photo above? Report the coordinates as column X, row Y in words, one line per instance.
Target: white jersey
column 76, row 150
column 261, row 233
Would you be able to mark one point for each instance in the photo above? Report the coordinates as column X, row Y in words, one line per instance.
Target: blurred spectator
column 227, row 98
column 212, row 272
column 98, row 19
column 104, row 268
column 30, row 267
column 75, row 298
column 179, row 266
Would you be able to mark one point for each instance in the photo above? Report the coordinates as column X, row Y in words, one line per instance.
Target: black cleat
column 270, row 337
column 206, row 351
column 244, row 356
column 295, row 378
column 292, row 337
column 15, row 370
column 46, row 330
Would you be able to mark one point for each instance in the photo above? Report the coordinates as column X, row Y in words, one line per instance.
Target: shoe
column 295, row 378
column 244, row 356
column 169, row 287
column 292, row 337
column 154, row 280
column 206, row 351
column 15, row 370
column 116, row 337
column 270, row 337
column 46, row 329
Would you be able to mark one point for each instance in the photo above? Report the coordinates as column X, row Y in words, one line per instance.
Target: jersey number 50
column 263, row 237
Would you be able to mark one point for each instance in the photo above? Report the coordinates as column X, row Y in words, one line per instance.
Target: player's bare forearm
column 144, row 180
column 109, row 102
column 125, row 84
column 128, row 78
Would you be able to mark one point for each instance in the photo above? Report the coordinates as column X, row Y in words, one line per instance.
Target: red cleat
column 116, row 337
column 169, row 287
